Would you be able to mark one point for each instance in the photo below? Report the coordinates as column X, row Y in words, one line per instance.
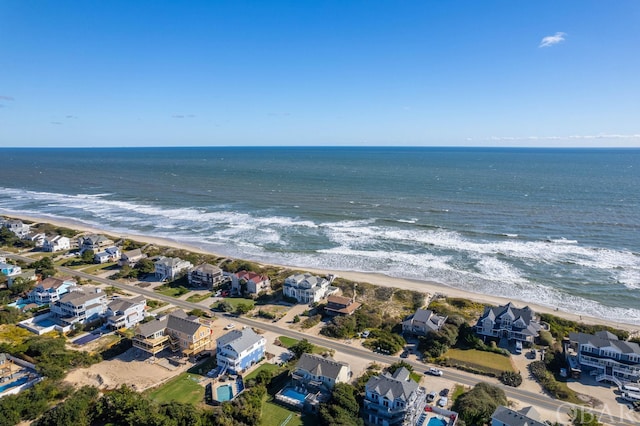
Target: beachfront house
column 205, row 275
column 514, row 324
column 307, row 288
column 50, row 290
column 54, row 243
column 125, row 313
column 606, row 356
column 37, row 238
column 422, row 322
column 341, row 306
column 20, row 229
column 238, row 350
column 131, row 258
column 168, row 268
column 110, row 254
column 247, row 282
column 93, row 242
column 505, row 416
column 80, row 305
column 393, row 399
column 177, row 331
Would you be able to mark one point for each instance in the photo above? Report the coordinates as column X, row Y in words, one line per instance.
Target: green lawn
column 235, row 301
column 265, row 366
column 485, row 361
column 98, row 268
column 275, row 415
column 171, row 291
column 287, row 342
column 195, row 298
column 181, row 389
column 204, row 367
column 415, row 376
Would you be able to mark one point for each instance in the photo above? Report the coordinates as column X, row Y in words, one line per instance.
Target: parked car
column 404, row 354
column 365, row 334
column 434, row 371
column 444, row 392
column 431, row 396
column 442, row 402
column 229, row 326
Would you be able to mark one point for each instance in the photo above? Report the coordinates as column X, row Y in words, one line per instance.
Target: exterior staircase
column 608, row 378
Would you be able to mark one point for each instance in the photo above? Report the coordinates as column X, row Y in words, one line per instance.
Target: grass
column 204, row 367
column 415, row 376
column 181, row 389
column 97, row 268
column 195, row 298
column 287, row 342
column 171, row 291
column 487, row 362
column 457, row 391
column 264, row 367
column 274, row 415
column 235, row 301
column 155, row 304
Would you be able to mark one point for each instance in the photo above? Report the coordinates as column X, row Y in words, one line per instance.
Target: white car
column 435, row 371
column 442, row 402
column 229, row 326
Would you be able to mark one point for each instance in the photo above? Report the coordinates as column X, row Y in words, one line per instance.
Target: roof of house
column 132, row 253
column 207, row 268
column 239, row 340
column 427, row 316
column 81, row 296
column 51, row 282
column 96, row 239
column 152, row 327
column 171, row 262
column 179, row 321
column 122, row 304
column 528, row 416
column 396, row 386
column 319, row 366
column 603, row 339
column 350, row 306
column 252, row 276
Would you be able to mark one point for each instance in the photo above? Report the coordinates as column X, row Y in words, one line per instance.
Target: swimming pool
column 437, row 421
column 44, row 323
column 293, row 394
column 224, row 393
column 20, row 381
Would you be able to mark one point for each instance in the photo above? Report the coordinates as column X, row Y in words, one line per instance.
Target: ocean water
column 555, row 227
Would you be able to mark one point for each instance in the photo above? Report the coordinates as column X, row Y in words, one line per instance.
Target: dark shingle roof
column 319, row 366
column 605, row 339
column 398, row 386
column 523, row 417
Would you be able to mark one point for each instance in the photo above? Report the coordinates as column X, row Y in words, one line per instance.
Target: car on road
column 442, row 402
column 434, row 371
column 229, row 326
column 431, row 396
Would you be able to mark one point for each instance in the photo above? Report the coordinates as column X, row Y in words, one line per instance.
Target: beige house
column 177, row 331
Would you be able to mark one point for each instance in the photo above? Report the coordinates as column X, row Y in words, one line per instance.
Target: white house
column 10, row 269
column 81, row 305
column 56, row 243
column 423, row 321
column 168, row 268
column 93, row 242
column 239, row 349
column 125, row 313
column 110, row 254
column 131, row 257
column 392, row 399
column 519, row 324
column 255, row 283
column 17, row 227
column 307, row 288
column 50, row 290
column 37, row 238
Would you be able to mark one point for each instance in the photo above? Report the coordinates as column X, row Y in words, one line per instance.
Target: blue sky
column 470, row 73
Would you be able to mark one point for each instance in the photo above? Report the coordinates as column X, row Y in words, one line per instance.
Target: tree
column 87, row 256
column 44, row 267
column 476, row 406
column 398, row 365
column 302, row 347
column 342, row 408
column 145, row 266
column 581, row 417
column 243, row 308
column 511, row 378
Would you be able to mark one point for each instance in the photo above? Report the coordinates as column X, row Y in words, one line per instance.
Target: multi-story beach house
column 517, row 324
column 609, row 358
column 247, row 282
column 9, row 269
column 238, row 350
column 422, row 322
column 307, row 288
column 177, row 331
column 205, row 275
column 20, row 229
column 50, row 290
column 93, row 242
column 110, row 254
column 392, row 399
column 54, row 243
column 312, row 381
column 168, row 268
column 131, row 257
column 125, row 313
column 505, row 416
column 36, row 237
column 341, row 306
column 80, row 305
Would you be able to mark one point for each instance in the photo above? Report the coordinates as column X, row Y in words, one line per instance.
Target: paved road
column 622, row 417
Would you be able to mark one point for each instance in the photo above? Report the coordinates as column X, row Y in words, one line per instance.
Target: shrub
column 311, row 321
column 511, row 378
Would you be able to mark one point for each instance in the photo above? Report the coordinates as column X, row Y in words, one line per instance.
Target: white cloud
column 549, row 41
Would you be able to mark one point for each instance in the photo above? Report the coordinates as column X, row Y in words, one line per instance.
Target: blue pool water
column 45, row 323
column 435, row 421
column 18, row 382
column 293, row 394
column 224, row 393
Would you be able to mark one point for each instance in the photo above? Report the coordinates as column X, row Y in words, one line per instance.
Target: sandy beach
column 429, row 287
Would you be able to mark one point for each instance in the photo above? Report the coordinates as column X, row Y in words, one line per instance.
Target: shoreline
column 378, row 279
